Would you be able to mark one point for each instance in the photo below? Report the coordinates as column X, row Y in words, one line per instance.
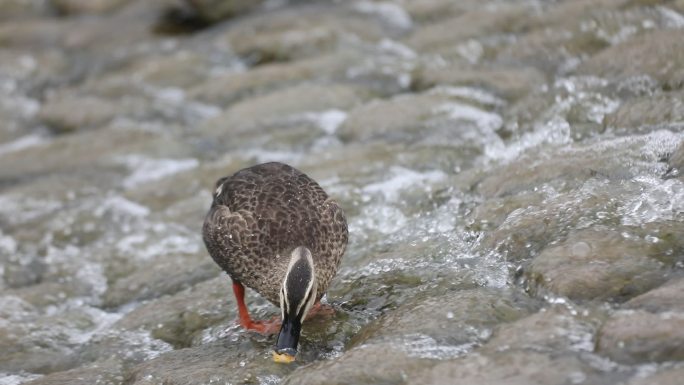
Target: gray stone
column 152, row 280
column 366, row 364
column 398, row 116
column 14, row 9
column 659, row 54
column 176, row 318
column 508, row 368
column 299, row 32
column 510, row 83
column 215, row 10
column 229, row 88
column 65, row 113
column 597, row 265
column 577, row 163
column 77, row 7
column 553, row 329
column 109, row 372
column 285, row 103
column 460, row 317
column 444, row 34
column 668, row 297
column 427, row 11
column 645, row 114
column 637, row 336
column 676, row 160
column 662, row 377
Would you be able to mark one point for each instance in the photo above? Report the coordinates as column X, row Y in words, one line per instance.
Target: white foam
column 23, row 209
column 102, row 321
column 673, row 19
column 121, row 206
column 487, row 121
column 397, row 49
column 147, row 246
column 475, row 94
column 658, row 200
column 554, row 132
column 424, row 346
column 328, row 120
column 7, row 244
column 23, row 143
column 382, row 218
column 403, row 178
column 16, row 379
column 391, row 13
column 148, row 169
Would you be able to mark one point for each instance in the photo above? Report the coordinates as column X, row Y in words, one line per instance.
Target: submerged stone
column 659, row 54
column 597, row 265
column 637, row 336
column 667, row 297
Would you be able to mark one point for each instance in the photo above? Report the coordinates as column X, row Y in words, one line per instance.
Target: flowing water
column 511, row 173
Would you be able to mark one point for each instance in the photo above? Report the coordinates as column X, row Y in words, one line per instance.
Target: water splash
column 146, row 169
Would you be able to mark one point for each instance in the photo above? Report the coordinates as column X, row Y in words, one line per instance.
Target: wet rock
column 510, row 368
column 676, row 160
column 644, row 114
column 109, row 372
column 26, row 33
column 77, row 7
column 232, row 87
column 664, row 377
column 659, row 54
column 58, row 154
column 300, row 32
column 365, row 364
column 389, row 118
column 554, row 329
column 224, row 362
column 462, row 317
column 176, row 318
column 46, row 344
column 128, row 347
column 578, row 163
column 13, row 9
column 284, row 103
column 433, row 10
column 443, row 35
column 636, row 336
column 597, row 265
column 172, row 71
column 667, row 297
column 428, row 118
column 215, row 10
column 491, row 213
column 511, row 83
column 71, row 113
column 152, row 280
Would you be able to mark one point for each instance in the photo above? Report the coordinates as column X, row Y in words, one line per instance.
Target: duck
column 276, row 231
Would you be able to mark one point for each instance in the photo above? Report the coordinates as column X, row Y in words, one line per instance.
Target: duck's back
column 263, row 212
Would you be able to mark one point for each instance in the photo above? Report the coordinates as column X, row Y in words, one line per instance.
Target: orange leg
column 319, row 309
column 263, row 327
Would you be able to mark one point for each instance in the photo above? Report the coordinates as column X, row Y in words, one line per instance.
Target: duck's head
column 297, row 296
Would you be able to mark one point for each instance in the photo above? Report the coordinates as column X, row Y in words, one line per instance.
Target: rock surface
column 511, row 172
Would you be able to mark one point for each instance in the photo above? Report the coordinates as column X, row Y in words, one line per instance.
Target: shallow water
column 511, row 173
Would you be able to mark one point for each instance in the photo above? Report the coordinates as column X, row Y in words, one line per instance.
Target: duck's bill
column 288, row 338
column 283, row 358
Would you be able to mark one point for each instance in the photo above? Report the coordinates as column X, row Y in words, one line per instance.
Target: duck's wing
column 333, row 241
column 230, row 238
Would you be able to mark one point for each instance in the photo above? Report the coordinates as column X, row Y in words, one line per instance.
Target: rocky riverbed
column 512, row 173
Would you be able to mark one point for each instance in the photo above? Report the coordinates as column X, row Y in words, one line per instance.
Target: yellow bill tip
column 283, row 358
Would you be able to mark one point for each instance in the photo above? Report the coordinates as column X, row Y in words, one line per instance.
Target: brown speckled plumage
column 260, row 214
